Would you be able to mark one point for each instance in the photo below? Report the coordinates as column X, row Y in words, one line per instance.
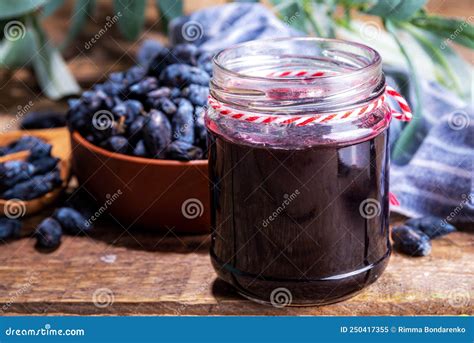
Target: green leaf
column 459, row 31
column 399, row 10
column 383, row 8
column 51, row 71
column 391, row 28
column 18, row 8
column 169, row 9
column 431, row 45
column 405, row 145
column 17, row 53
column 452, row 71
column 297, row 14
column 51, row 7
column 82, row 10
column 132, row 17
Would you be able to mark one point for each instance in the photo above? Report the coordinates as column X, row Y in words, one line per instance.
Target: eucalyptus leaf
column 51, row 71
column 132, row 17
column 17, row 53
column 392, row 29
column 169, row 9
column 396, row 9
column 407, row 143
column 431, row 44
column 51, row 7
column 294, row 14
column 18, row 8
column 383, row 8
column 456, row 30
column 82, row 10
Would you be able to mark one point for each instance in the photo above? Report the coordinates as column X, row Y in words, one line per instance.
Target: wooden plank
column 142, row 273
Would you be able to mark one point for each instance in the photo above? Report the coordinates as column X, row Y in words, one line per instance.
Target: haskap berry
column 43, row 120
column 411, row 241
column 9, row 228
column 150, row 106
column 71, row 220
column 433, row 227
column 157, row 133
column 48, row 233
column 32, row 178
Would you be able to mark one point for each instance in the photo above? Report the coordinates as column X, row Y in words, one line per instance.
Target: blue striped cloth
column 432, row 175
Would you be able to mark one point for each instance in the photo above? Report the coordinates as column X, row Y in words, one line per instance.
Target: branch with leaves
column 24, row 42
column 400, row 18
column 421, row 40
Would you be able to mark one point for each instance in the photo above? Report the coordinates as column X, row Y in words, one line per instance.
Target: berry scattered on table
column 71, row 220
column 9, row 228
column 150, row 105
column 48, row 233
column 433, row 227
column 415, row 235
column 411, row 241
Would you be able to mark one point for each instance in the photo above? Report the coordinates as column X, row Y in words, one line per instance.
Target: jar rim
column 374, row 63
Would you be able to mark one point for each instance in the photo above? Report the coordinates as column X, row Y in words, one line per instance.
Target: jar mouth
column 297, row 74
column 372, row 63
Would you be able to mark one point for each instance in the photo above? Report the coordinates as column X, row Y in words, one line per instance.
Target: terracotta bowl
column 142, row 192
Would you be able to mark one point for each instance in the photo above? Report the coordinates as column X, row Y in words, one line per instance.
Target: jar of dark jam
column 299, row 169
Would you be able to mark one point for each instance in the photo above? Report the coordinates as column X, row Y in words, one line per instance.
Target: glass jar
column 298, row 165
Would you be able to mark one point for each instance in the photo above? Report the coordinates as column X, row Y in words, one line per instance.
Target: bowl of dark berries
column 141, row 135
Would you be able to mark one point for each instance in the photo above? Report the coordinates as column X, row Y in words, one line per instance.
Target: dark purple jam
column 290, row 219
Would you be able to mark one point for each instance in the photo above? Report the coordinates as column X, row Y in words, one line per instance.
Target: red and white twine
column 405, row 113
column 303, row 120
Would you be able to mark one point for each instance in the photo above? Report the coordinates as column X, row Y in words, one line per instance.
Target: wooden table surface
column 113, row 271
column 119, row 272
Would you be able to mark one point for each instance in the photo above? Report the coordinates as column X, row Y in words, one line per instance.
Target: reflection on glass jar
column 299, row 169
